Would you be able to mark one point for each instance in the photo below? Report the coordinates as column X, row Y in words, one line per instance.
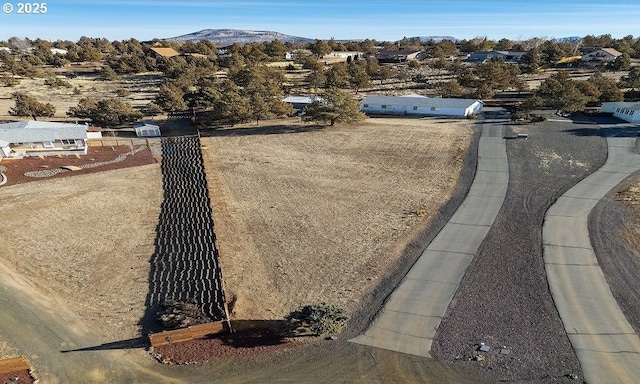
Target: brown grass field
column 306, row 214
column 313, row 214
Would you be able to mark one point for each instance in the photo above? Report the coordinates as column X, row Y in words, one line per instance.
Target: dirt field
column 87, row 239
column 143, row 89
column 306, row 214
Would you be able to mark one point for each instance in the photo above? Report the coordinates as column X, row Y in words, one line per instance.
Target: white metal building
column 630, row 113
column 144, row 129
column 420, row 106
column 627, row 111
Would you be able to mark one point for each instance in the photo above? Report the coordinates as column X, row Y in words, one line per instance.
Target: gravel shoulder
column 614, row 228
column 504, row 298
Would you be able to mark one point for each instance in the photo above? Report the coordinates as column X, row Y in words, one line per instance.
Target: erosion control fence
column 185, row 264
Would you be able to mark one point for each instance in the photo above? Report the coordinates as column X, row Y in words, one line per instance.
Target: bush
column 55, row 82
column 319, row 318
column 175, row 314
column 122, row 92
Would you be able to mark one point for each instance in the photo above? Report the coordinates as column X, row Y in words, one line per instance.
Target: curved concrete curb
column 410, row 317
column 607, row 347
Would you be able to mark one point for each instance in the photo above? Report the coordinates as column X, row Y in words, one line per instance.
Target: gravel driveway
column 504, row 300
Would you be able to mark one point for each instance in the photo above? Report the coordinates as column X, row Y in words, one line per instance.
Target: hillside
column 224, row 37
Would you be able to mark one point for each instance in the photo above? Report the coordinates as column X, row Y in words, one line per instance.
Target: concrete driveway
column 607, row 347
column 408, row 320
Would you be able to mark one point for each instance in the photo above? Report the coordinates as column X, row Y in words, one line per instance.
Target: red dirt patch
column 16, row 168
column 242, row 342
column 15, row 370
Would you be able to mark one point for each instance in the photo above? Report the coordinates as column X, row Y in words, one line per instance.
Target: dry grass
column 320, row 215
column 143, row 89
column 87, row 239
column 301, row 217
column 630, row 198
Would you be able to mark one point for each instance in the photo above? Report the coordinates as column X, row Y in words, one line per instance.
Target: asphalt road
column 606, row 345
column 408, row 321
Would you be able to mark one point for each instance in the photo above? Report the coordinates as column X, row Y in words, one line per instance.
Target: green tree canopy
column 562, row 93
column 26, row 105
column 336, row 106
column 106, row 112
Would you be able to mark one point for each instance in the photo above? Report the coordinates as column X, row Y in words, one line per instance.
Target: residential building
column 165, row 52
column 400, row 56
column 41, row 138
column 415, row 105
column 506, row 56
column 600, row 57
column 629, row 112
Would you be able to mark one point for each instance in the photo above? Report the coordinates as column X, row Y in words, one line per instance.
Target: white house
column 604, row 55
column 629, row 112
column 144, row 129
column 610, row 106
column 42, row 138
column 420, row 106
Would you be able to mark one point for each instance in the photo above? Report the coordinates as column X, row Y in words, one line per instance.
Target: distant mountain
column 223, row 37
column 437, row 39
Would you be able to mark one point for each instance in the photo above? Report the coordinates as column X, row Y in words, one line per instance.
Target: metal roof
column 302, row 99
column 438, row 102
column 166, row 52
column 144, row 124
column 35, row 131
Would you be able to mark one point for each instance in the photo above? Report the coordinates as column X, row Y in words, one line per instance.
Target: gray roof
column 438, row 102
column 144, row 124
column 301, row 99
column 35, row 131
column 4, row 143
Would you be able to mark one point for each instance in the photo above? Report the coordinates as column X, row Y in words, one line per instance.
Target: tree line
column 240, row 85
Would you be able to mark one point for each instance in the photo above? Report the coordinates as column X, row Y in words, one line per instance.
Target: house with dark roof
column 506, row 56
column 41, row 138
column 400, row 56
column 416, row 105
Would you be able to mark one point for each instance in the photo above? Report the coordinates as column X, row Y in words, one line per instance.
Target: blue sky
column 323, row 19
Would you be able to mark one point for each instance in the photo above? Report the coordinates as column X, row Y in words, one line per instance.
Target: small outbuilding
column 415, row 105
column 144, row 129
column 299, row 103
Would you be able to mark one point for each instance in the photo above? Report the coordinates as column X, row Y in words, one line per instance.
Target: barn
column 416, row 105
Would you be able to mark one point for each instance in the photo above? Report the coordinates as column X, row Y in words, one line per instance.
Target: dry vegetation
column 630, row 198
column 142, row 88
column 87, row 239
column 306, row 214
column 314, row 214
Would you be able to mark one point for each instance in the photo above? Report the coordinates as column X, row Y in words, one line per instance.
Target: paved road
column 408, row 321
column 605, row 343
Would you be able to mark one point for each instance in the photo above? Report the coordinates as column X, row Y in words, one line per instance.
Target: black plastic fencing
column 185, row 264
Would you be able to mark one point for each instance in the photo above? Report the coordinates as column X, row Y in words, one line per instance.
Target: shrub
column 122, row 92
column 319, row 318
